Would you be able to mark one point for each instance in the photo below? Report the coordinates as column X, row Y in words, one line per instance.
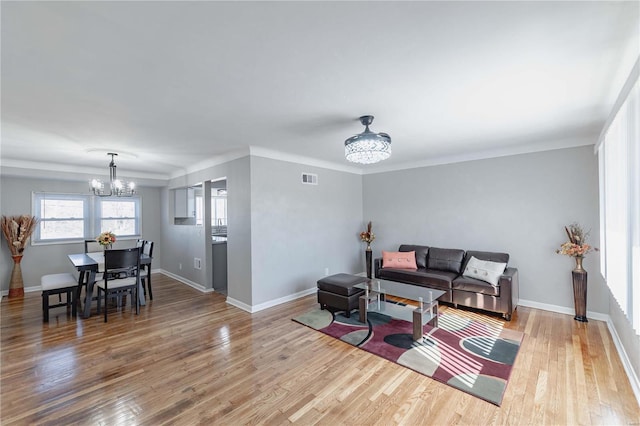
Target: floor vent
column 309, row 179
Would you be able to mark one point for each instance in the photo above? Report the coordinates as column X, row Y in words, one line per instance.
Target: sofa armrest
column 509, row 291
column 377, row 264
column 509, row 274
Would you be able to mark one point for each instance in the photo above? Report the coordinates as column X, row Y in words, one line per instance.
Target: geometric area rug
column 464, row 353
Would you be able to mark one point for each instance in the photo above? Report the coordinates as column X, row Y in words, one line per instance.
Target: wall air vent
column 309, row 179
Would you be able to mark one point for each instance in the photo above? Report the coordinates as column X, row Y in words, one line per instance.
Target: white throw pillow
column 484, row 270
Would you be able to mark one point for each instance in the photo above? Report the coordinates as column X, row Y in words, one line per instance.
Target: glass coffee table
column 374, row 300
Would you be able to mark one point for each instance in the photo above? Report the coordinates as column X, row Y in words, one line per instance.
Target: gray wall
column 184, row 242
column 299, row 230
column 281, row 234
column 516, row 204
column 39, row 260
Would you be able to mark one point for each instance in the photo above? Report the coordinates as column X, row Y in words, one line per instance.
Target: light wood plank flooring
column 189, row 358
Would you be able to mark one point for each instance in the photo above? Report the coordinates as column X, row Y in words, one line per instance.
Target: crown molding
column 40, row 169
column 487, row 154
column 300, row 159
column 210, row 162
column 36, row 170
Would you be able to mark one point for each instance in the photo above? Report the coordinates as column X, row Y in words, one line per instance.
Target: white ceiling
column 172, row 84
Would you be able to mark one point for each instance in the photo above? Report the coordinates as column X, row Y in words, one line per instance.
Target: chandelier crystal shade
column 117, row 187
column 367, row 147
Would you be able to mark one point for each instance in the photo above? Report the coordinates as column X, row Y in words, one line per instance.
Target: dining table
column 88, row 265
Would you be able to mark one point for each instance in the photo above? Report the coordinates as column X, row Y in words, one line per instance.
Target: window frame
column 98, row 218
column 92, row 219
column 619, row 183
column 36, row 204
column 214, row 209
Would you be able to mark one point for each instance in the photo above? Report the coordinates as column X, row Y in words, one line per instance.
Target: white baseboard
column 271, row 303
column 239, row 304
column 37, row 288
column 32, row 289
column 285, row 299
column 626, row 363
column 183, row 280
column 561, row 309
column 633, row 378
column 624, row 357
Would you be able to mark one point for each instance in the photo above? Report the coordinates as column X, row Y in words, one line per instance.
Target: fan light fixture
column 117, row 188
column 367, row 147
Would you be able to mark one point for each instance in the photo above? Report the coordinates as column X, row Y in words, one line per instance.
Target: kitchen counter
column 218, row 240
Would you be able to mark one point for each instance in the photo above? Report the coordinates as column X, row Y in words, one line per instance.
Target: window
column 218, row 211
column 62, row 217
column 76, row 217
column 619, row 162
column 199, row 210
column 118, row 215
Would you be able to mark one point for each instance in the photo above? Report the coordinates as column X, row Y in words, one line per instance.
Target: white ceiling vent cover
column 309, row 179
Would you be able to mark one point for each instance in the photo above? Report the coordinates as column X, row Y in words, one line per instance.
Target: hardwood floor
column 189, row 358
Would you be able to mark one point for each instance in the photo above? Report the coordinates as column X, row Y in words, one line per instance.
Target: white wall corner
column 240, row 305
column 211, row 162
column 190, row 283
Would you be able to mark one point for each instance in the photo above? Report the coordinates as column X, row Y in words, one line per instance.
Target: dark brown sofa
column 442, row 269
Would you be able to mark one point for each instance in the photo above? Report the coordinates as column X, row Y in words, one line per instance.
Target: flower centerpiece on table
column 106, row 238
column 577, row 246
column 368, row 236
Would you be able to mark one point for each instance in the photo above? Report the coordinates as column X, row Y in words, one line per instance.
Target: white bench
column 58, row 284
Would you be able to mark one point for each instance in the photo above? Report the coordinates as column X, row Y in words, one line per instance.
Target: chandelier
column 367, row 147
column 117, row 188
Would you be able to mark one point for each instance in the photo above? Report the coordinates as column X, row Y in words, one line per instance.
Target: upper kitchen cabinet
column 185, row 203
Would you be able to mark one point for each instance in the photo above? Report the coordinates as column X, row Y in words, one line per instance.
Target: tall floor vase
column 368, row 259
column 16, row 285
column 579, row 276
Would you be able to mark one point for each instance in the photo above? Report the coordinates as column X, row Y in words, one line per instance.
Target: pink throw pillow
column 399, row 259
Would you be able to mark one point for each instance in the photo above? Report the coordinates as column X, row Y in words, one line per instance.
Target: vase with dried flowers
column 17, row 230
column 368, row 236
column 578, row 248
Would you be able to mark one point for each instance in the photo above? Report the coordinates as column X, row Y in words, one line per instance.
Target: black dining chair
column 121, row 276
column 90, row 246
column 145, row 272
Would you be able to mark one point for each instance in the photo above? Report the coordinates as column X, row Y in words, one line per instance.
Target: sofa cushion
column 485, row 255
column 484, row 270
column 399, row 259
column 439, row 280
column 449, row 260
column 421, row 253
column 475, row 286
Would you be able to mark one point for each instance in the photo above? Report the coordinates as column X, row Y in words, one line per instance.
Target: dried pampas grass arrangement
column 17, row 230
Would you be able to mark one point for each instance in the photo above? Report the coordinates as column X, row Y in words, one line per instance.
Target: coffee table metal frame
column 374, row 300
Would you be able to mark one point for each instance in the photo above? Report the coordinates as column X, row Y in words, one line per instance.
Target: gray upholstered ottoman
column 336, row 292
